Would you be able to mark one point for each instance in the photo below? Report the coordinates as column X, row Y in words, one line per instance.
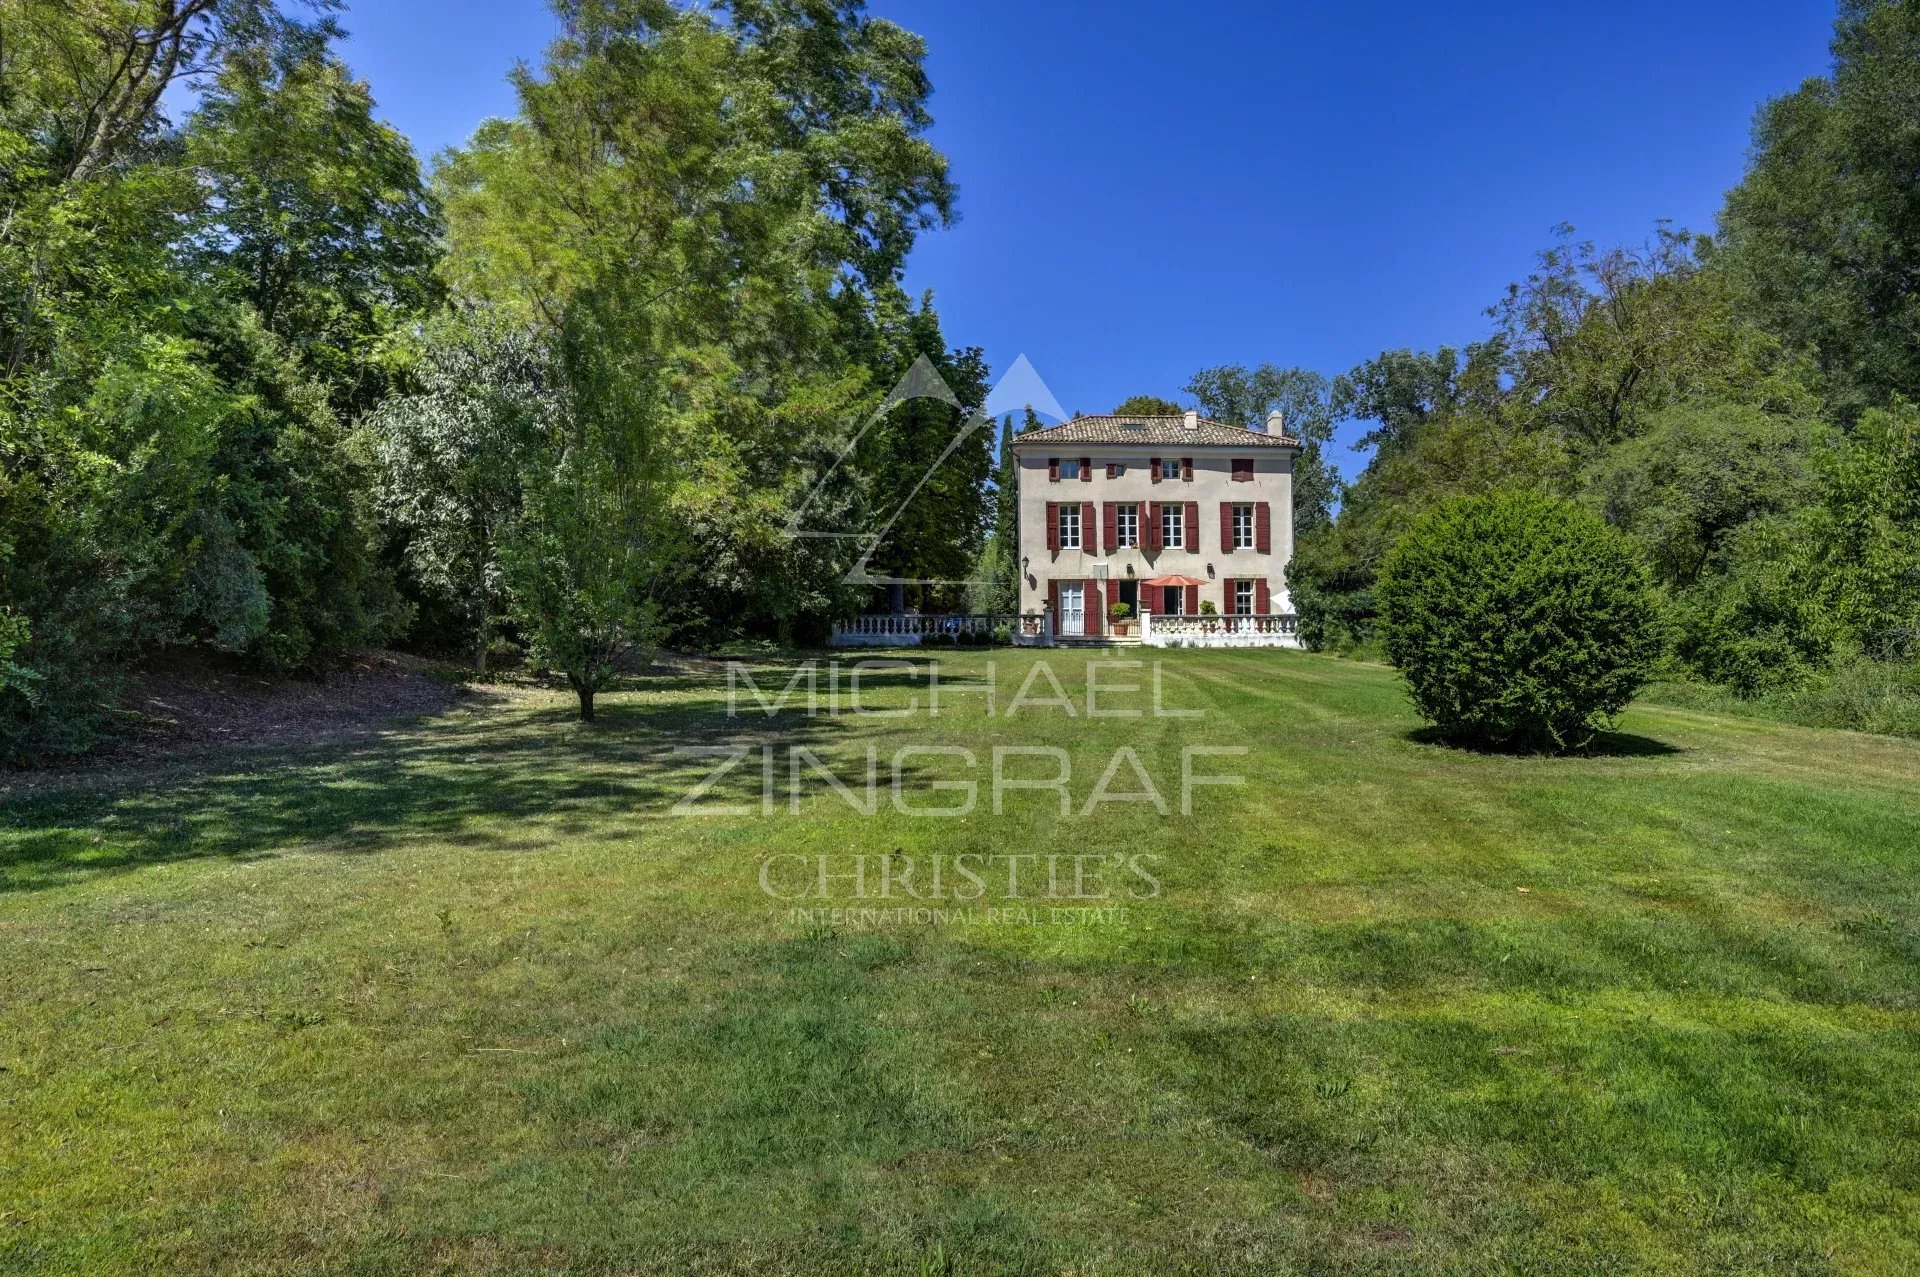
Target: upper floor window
column 1070, row 527
column 1126, row 527
column 1170, row 468
column 1173, row 526
column 1115, row 469
column 1242, row 469
column 1069, row 467
column 1243, row 527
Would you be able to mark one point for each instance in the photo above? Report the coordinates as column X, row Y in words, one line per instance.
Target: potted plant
column 1209, row 614
column 1121, row 612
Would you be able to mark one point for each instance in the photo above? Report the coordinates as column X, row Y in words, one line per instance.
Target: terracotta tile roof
column 1170, row 432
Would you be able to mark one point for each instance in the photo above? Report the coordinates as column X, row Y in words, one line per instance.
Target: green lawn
column 471, row 999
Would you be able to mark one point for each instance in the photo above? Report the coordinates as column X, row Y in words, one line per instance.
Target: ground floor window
column 1243, row 597
column 1172, row 599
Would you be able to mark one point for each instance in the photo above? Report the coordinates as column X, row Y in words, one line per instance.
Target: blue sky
column 1146, row 190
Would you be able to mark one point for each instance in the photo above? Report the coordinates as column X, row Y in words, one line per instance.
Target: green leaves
column 1518, row 620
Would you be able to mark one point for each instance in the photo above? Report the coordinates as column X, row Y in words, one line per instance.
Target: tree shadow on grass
column 1603, row 745
column 503, row 782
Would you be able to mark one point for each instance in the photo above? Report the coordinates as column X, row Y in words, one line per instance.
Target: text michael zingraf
column 846, row 687
column 938, row 779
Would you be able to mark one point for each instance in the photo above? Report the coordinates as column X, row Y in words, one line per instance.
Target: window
column 1170, row 468
column 1242, row 469
column 1173, row 600
column 1069, row 527
column 1126, row 527
column 1243, row 527
column 1115, row 469
column 1069, row 467
column 1173, row 526
column 1243, row 597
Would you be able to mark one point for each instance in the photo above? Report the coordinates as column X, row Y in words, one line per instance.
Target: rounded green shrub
column 1518, row 620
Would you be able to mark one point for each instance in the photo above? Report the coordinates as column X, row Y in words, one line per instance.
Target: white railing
column 1265, row 629
column 909, row 629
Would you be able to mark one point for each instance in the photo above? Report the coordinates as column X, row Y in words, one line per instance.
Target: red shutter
column 1096, row 610
column 1243, row 469
column 1110, row 473
column 1053, row 525
column 1193, row 527
column 1150, row 535
column 1143, row 602
column 1226, row 528
column 1086, row 469
column 1186, row 469
column 1154, row 465
column 1109, row 527
column 1053, row 469
column 1053, row 601
column 1262, row 601
column 1193, row 600
column 1263, row 528
column 1087, row 543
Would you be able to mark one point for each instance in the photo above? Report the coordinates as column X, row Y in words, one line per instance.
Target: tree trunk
column 480, row 645
column 585, row 694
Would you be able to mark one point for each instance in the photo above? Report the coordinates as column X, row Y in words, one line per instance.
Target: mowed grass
column 471, row 998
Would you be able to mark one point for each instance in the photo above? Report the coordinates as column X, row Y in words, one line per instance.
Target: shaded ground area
column 194, row 705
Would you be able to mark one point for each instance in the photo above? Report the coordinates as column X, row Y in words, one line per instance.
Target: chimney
column 1192, row 420
column 1276, row 424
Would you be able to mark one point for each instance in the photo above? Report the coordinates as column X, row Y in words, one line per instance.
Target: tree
column 1231, row 394
column 1820, row 233
column 455, row 453
column 997, row 578
column 1518, row 619
column 594, row 557
column 1147, row 406
column 314, row 214
column 756, row 175
column 1695, row 474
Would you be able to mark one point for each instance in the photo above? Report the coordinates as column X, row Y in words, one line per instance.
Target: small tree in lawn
column 594, row 553
column 454, row 453
column 1518, row 619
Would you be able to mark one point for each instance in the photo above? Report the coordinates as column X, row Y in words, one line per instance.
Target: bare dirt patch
column 186, row 706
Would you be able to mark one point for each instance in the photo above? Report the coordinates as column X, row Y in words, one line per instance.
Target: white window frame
column 1126, row 526
column 1069, row 468
column 1243, row 538
column 1173, row 526
column 1243, row 589
column 1169, row 468
column 1069, row 515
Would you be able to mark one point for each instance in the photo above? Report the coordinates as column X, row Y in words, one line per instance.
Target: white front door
column 1073, row 609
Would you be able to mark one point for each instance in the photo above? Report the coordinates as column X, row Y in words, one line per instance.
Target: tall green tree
column 315, row 213
column 1820, row 234
column 755, row 177
column 1237, row 396
column 455, row 453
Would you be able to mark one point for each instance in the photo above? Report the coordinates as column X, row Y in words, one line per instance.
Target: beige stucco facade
column 1202, row 556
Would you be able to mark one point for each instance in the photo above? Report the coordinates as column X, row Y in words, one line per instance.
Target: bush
column 1518, row 619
